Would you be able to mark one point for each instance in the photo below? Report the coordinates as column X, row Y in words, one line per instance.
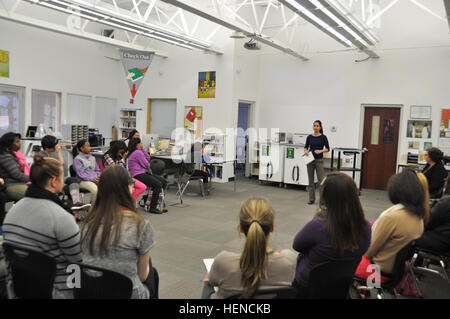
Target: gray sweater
column 44, row 226
column 9, row 170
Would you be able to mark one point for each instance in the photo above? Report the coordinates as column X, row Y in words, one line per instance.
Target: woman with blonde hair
column 115, row 237
column 258, row 267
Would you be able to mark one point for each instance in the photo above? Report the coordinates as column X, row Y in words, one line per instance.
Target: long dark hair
column 77, row 148
column 405, row 188
column 6, row 142
column 321, row 127
column 115, row 148
column 340, row 206
column 104, row 222
column 130, row 136
column 132, row 145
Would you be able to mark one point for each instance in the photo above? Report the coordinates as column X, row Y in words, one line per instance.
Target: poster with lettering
column 207, row 84
column 136, row 65
column 4, row 64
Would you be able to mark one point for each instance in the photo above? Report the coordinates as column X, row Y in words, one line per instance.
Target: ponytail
column 256, row 220
column 77, row 148
column 43, row 169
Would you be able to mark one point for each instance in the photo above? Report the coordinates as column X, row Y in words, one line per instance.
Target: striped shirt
column 44, row 226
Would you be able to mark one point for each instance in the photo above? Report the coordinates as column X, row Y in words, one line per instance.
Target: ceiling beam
column 234, row 25
column 75, row 33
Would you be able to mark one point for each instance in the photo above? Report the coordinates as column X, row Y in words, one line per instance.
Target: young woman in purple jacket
column 138, row 164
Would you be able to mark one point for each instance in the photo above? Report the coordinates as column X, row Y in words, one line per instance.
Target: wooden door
column 381, row 129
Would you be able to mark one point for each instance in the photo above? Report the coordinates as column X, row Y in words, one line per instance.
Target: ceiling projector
column 252, row 45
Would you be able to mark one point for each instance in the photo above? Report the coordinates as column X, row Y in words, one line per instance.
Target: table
column 353, row 169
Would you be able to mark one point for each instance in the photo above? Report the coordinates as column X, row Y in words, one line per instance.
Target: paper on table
column 308, row 159
column 208, row 263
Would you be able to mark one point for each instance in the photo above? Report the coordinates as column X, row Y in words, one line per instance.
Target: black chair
column 33, row 273
column 400, row 272
column 428, row 256
column 99, row 283
column 276, row 293
column 331, row 280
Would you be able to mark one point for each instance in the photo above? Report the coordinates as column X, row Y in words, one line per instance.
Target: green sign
column 290, row 152
column 266, row 150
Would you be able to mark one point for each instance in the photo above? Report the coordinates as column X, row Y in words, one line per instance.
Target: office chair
column 99, row 283
column 33, row 273
column 331, row 280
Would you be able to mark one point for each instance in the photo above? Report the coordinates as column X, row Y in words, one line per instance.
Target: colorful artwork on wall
column 4, row 64
column 207, row 84
column 419, row 129
column 193, row 116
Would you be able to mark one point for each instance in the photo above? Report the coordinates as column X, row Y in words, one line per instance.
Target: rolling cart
column 354, row 169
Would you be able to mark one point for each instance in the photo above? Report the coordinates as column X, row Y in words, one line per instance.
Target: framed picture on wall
column 419, row 129
column 420, row 112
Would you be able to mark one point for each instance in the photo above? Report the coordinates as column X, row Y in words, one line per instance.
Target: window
column 79, row 109
column 163, row 117
column 12, row 103
column 46, row 109
column 375, row 130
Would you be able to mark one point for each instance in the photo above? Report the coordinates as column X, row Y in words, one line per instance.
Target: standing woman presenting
column 317, row 143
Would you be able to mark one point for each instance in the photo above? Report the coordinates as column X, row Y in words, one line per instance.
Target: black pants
column 157, row 183
column 429, row 243
column 3, row 200
column 202, row 174
column 152, row 282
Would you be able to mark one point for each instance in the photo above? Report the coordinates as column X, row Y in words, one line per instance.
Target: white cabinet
column 271, row 166
column 295, row 170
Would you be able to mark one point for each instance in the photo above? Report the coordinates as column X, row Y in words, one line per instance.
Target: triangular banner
column 136, row 65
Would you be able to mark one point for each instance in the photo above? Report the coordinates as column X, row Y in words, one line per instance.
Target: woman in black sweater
column 435, row 172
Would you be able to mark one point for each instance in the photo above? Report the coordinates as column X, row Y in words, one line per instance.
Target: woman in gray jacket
column 11, row 170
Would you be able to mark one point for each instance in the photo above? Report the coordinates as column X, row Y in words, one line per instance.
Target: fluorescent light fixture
column 124, row 24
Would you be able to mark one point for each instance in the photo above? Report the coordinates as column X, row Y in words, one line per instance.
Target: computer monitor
column 149, row 139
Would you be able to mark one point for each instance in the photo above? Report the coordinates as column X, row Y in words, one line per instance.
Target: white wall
column 49, row 61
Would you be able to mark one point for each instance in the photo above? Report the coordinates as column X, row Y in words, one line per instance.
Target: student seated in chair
column 138, row 165
column 117, row 155
column 86, row 168
column 51, row 148
column 435, row 172
column 436, row 236
column 116, row 237
column 339, row 232
column 12, row 170
column 397, row 226
column 258, row 267
column 42, row 221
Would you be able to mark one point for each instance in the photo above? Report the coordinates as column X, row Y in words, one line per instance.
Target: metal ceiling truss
column 241, row 26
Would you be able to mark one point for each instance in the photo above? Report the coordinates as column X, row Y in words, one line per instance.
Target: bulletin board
column 4, row 64
column 193, row 118
column 444, row 132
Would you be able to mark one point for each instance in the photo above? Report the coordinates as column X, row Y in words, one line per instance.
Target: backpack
column 147, row 198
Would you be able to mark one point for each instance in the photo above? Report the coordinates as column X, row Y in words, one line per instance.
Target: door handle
column 293, row 172
column 271, row 171
column 267, row 172
column 298, row 173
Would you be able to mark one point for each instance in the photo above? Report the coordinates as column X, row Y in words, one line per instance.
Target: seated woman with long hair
column 339, row 232
column 258, row 267
column 116, row 155
column 397, row 226
column 114, row 236
column 138, row 165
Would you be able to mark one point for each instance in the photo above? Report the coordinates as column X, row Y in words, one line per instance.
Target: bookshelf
column 215, row 147
column 128, row 118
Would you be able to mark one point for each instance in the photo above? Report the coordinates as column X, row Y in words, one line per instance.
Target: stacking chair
column 99, row 283
column 331, row 280
column 401, row 271
column 33, row 273
column 185, row 179
column 428, row 256
column 276, row 293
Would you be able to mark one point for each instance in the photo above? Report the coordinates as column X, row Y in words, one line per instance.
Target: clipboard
column 308, row 159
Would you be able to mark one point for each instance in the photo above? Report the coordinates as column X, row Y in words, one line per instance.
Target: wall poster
column 419, row 129
column 4, row 64
column 207, row 84
column 388, row 131
column 193, row 117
